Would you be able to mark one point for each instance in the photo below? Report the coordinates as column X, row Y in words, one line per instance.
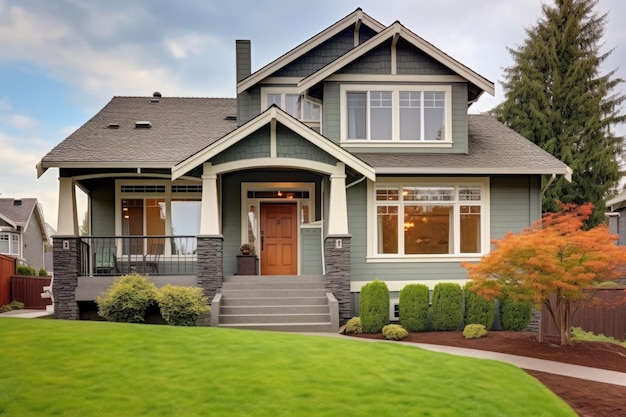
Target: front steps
column 275, row 302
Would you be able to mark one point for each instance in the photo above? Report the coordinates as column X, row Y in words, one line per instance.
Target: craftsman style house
column 350, row 158
column 23, row 233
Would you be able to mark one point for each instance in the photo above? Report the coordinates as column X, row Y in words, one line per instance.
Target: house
column 352, row 157
column 23, row 232
column 616, row 216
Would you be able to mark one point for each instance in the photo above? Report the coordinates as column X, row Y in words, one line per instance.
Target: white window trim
column 374, row 257
column 265, row 91
column 10, row 236
column 395, row 136
column 167, row 196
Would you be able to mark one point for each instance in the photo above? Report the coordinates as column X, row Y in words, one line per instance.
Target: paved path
column 25, row 314
column 532, row 364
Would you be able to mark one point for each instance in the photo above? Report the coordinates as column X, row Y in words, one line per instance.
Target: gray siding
column 290, row 145
column 102, row 208
column 310, row 251
column 32, row 244
column 515, row 203
column 331, row 113
column 412, row 61
column 257, row 145
column 376, row 61
column 319, row 56
column 231, row 222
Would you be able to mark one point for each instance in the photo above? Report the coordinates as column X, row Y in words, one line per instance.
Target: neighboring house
column 616, row 214
column 351, row 157
column 23, row 231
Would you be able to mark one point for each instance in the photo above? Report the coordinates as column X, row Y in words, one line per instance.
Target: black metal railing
column 146, row 255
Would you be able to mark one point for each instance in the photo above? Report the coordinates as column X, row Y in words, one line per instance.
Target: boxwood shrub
column 515, row 315
column 181, row 306
column 477, row 309
column 127, row 300
column 374, row 306
column 414, row 307
column 447, row 308
column 394, row 332
column 474, row 331
column 353, row 326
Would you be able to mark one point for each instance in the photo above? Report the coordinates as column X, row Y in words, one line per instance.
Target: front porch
column 81, row 273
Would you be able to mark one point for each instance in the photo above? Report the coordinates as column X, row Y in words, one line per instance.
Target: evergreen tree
column 556, row 97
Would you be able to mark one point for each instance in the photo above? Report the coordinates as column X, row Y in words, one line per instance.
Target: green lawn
column 81, row 368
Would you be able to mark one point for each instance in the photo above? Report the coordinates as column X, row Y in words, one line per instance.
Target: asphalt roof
column 19, row 212
column 181, row 127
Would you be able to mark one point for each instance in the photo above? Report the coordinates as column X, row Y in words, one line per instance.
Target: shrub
column 474, row 331
column 374, row 306
column 13, row 305
column 414, row 307
column 353, row 326
column 447, row 310
column 181, row 306
column 43, row 273
column 515, row 315
column 127, row 299
column 477, row 309
column 25, row 270
column 394, row 332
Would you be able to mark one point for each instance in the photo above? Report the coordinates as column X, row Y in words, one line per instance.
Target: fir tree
column 556, row 97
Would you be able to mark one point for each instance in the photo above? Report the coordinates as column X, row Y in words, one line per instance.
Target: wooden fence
column 7, row 268
column 28, row 290
column 605, row 314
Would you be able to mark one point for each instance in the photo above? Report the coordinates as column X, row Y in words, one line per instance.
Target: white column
column 209, row 218
column 67, row 222
column 338, row 206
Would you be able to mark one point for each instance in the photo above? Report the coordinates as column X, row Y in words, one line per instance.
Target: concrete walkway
column 531, row 364
column 25, row 314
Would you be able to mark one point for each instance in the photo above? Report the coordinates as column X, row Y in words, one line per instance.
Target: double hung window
column 403, row 114
column 10, row 243
column 430, row 219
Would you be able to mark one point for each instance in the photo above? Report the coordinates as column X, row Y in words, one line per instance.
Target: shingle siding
column 412, row 61
column 290, row 145
column 376, row 61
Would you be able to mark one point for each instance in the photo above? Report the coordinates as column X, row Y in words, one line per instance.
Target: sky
column 61, row 61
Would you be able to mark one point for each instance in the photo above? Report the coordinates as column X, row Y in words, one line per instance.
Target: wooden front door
column 279, row 239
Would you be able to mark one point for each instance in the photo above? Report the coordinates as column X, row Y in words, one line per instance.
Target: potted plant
column 246, row 249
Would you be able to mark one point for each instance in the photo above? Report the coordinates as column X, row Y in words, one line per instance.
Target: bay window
column 402, row 113
column 430, row 219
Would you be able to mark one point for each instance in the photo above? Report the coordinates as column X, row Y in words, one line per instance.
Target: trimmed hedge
column 515, row 315
column 181, row 306
column 447, row 308
column 374, row 306
column 414, row 307
column 477, row 309
column 127, row 300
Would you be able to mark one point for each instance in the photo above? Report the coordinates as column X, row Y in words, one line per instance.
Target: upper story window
column 297, row 105
column 404, row 114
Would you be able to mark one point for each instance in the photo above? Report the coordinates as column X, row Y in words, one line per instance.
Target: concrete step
column 281, row 309
column 286, row 327
column 274, row 278
column 273, row 301
column 273, row 285
column 273, row 293
column 273, row 318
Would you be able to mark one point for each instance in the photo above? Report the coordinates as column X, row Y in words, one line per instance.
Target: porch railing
column 146, row 255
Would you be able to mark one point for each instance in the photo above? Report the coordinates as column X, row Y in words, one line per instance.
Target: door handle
column 262, row 239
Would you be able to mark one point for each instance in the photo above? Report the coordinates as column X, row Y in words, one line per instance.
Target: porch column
column 67, row 223
column 338, row 206
column 209, row 219
column 338, row 271
column 66, row 262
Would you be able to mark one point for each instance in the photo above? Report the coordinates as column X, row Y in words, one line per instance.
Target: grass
column 583, row 336
column 80, row 368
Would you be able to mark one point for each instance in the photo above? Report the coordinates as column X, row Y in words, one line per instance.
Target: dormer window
column 297, row 105
column 418, row 114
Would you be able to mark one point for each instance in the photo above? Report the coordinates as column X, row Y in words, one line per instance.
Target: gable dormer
column 383, row 90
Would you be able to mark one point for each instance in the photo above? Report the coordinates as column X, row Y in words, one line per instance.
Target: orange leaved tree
column 550, row 263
